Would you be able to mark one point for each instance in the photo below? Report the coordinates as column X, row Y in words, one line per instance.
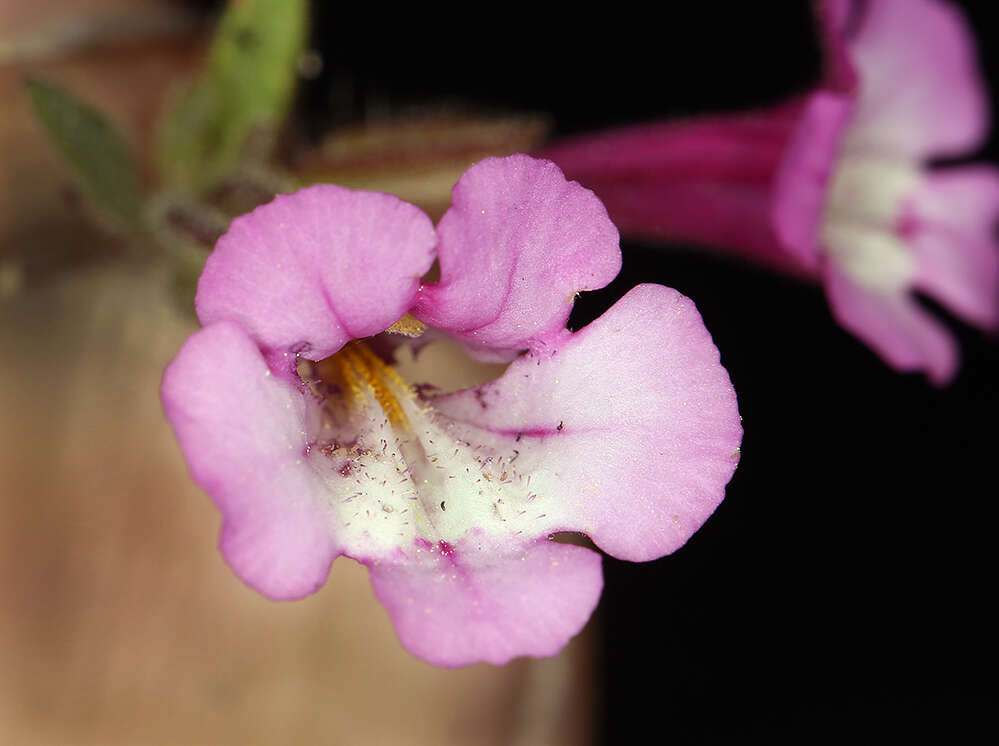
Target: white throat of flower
column 399, row 474
column 859, row 225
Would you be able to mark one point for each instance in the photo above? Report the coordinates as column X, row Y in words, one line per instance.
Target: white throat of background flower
column 859, row 227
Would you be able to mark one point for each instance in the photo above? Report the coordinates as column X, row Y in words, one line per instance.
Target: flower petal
column 891, row 322
column 314, row 269
column 953, row 234
column 802, row 180
column 837, row 20
column 241, row 431
column 921, row 92
column 516, row 246
column 629, row 428
column 469, row 603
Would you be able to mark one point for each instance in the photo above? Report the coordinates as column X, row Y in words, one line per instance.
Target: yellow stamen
column 359, row 372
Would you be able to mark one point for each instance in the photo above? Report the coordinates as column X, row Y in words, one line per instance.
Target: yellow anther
column 357, row 372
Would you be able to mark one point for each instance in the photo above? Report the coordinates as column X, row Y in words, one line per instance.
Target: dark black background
column 842, row 592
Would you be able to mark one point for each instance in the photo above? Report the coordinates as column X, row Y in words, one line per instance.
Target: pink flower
column 626, row 430
column 836, row 185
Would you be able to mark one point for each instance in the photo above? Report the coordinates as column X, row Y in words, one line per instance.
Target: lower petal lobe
column 242, row 432
column 953, row 235
column 895, row 326
column 629, row 428
column 478, row 601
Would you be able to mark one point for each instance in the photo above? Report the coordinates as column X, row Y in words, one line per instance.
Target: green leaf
column 244, row 89
column 96, row 153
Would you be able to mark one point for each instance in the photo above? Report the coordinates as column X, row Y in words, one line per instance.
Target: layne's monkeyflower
column 291, row 416
column 836, row 185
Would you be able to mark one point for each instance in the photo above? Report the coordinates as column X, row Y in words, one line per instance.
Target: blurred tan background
column 119, row 621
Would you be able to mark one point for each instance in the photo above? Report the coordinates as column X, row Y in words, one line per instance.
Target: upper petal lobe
column 921, row 92
column 516, row 246
column 314, row 269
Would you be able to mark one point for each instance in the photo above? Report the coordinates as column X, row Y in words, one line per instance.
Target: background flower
column 836, row 185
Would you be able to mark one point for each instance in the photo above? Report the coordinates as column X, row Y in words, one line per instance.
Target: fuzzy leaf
column 97, row 154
